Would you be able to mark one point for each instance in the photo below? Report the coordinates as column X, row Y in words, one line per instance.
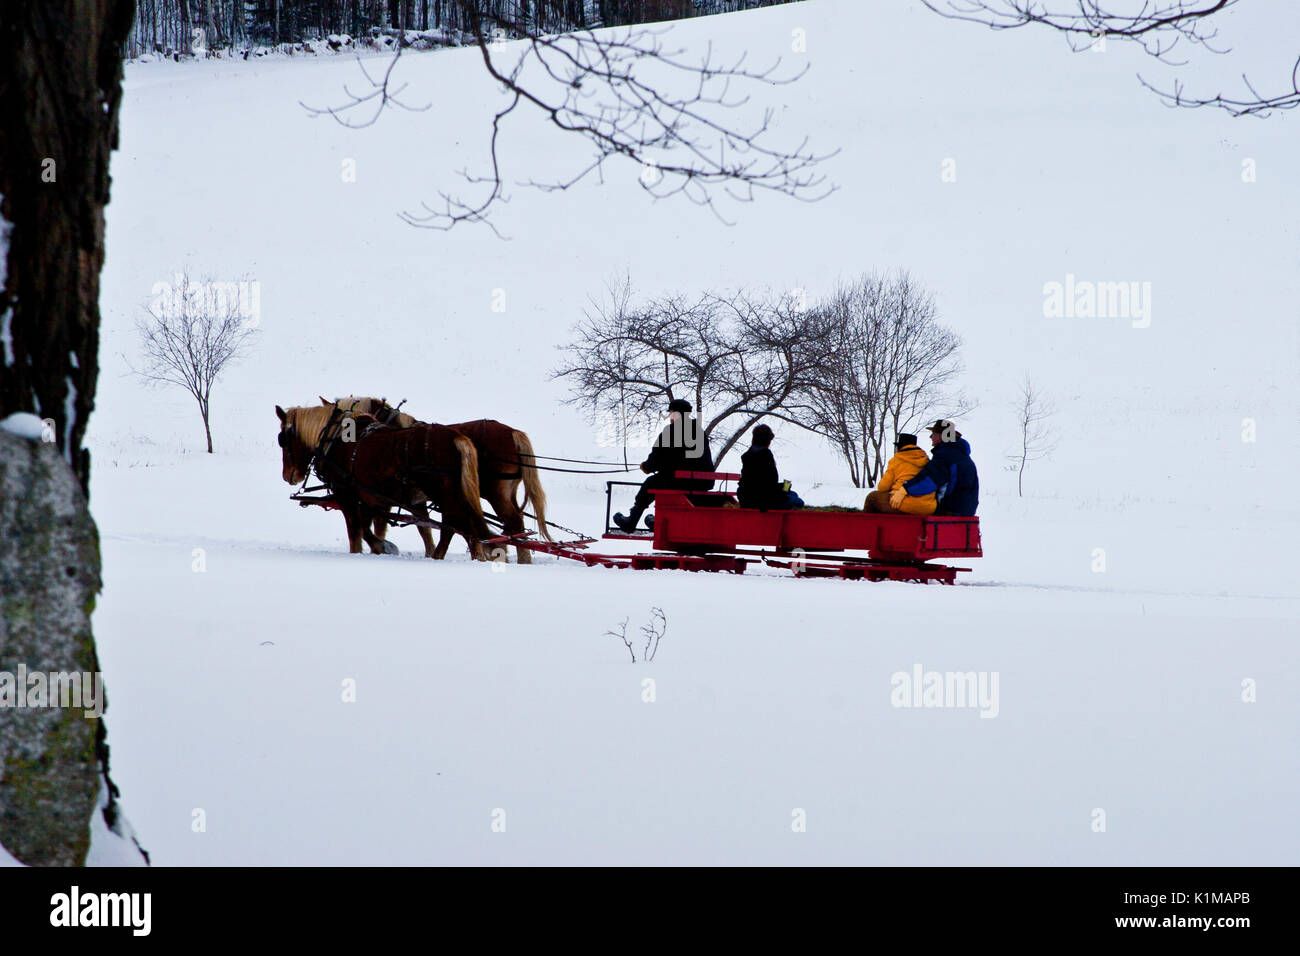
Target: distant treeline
column 206, row 27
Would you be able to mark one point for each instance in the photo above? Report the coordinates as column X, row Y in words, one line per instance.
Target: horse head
column 295, row 456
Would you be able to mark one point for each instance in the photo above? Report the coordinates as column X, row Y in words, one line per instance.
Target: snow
column 7, row 335
column 6, row 318
column 114, row 846
column 1138, row 606
column 6, row 230
column 69, row 415
column 24, row 425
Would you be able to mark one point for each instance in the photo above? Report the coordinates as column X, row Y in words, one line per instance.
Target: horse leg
column 502, row 498
column 444, row 538
column 421, row 511
column 352, row 515
column 376, row 541
column 459, row 518
column 525, row 555
column 456, row 519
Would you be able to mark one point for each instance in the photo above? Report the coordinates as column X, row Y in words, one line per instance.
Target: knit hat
column 947, row 428
column 763, row 435
column 679, row 405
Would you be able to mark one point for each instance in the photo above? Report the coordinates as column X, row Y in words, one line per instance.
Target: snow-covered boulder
column 52, row 753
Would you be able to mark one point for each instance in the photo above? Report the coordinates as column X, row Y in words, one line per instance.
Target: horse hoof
column 390, row 548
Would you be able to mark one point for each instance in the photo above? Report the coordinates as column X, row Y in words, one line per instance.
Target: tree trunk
column 186, row 26
column 60, row 87
column 205, row 411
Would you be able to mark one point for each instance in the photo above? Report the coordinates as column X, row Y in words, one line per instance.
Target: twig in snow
column 621, row 634
column 653, row 632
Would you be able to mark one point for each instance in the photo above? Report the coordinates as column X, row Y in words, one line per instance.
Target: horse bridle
column 289, row 436
column 328, row 436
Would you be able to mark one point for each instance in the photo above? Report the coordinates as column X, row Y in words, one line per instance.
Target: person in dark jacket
column 681, row 446
column 760, row 484
column 951, row 474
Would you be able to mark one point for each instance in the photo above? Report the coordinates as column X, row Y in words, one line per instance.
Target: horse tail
column 532, row 483
column 469, row 474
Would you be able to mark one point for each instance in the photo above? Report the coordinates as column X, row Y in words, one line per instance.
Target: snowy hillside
column 232, row 621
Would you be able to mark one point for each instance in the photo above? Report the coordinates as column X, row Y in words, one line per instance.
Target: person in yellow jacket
column 890, row 497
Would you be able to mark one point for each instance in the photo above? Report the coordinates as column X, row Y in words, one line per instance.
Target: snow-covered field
column 495, row 720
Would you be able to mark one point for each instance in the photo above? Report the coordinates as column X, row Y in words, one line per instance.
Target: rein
column 571, row 461
column 574, row 471
column 324, row 444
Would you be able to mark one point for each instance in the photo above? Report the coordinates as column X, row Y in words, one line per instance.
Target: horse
column 378, row 467
column 386, row 414
column 424, row 463
column 505, row 457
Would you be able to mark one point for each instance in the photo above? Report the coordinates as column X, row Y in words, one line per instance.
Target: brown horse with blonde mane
column 505, row 458
column 370, row 468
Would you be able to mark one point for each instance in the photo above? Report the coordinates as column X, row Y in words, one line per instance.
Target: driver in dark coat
column 681, row 446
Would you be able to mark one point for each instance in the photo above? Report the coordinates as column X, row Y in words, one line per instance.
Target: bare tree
column 1160, row 27
column 888, row 362
column 738, row 358
column 628, row 96
column 191, row 333
column 1036, row 440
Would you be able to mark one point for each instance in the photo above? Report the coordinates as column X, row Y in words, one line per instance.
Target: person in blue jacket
column 950, row 474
